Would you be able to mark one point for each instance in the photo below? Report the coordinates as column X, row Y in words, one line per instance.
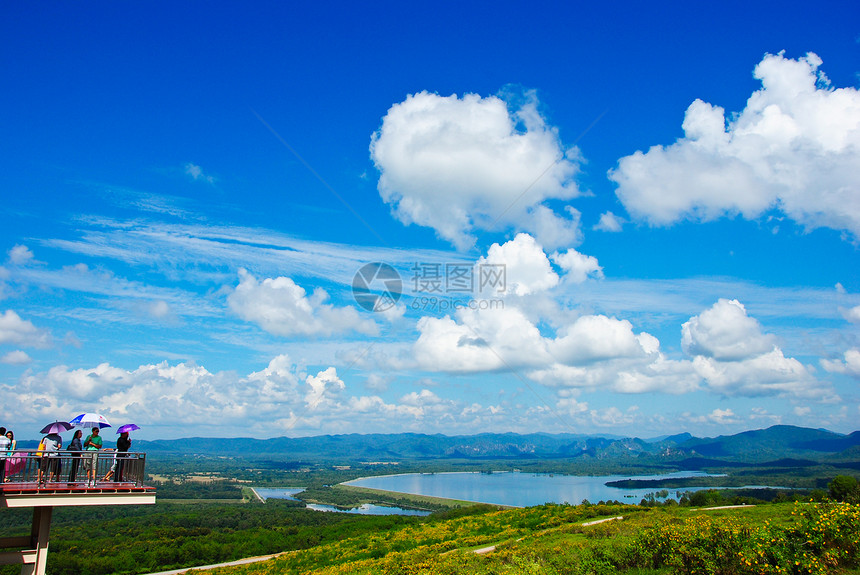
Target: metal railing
column 72, row 468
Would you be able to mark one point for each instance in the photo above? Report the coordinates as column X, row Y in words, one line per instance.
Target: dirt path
column 481, row 551
column 228, row 564
column 722, row 507
column 596, row 521
column 492, row 548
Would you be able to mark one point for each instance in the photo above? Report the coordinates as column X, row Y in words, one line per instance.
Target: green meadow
column 790, row 538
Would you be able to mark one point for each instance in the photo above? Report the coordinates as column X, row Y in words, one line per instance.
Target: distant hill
column 775, row 446
column 779, row 441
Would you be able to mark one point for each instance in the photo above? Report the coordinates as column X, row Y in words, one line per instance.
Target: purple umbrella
column 57, row 427
column 127, row 427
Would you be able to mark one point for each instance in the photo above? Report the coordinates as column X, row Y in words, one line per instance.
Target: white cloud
column 768, row 374
column 324, row 386
column 526, row 267
column 852, row 314
column 570, row 406
column 377, row 382
column 478, row 342
column 734, row 357
column 20, row 255
column 644, row 374
column 196, row 173
column 186, row 400
column 159, row 309
column 16, row 357
column 725, row 332
column 851, row 365
column 17, row 331
column 584, row 352
column 609, row 222
column 795, row 147
column 459, row 165
column 281, row 307
column 761, row 414
column 578, row 267
column 723, row 416
column 594, row 338
column 720, row 417
column 593, row 352
column 614, row 417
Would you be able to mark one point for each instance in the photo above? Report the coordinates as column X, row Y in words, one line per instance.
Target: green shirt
column 93, row 443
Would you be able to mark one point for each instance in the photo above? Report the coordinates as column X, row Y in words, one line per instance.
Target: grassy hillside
column 561, row 539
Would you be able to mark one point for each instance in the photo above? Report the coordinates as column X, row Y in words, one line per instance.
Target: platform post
column 40, row 533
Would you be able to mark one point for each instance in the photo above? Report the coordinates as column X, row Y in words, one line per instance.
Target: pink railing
column 72, row 468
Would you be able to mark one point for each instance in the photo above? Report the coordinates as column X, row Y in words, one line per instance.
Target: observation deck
column 64, row 478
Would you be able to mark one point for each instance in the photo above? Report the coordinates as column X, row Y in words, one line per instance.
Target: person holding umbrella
column 92, row 444
column 49, row 469
column 123, row 444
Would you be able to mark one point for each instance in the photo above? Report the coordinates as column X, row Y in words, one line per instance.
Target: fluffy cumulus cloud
column 728, row 352
column 735, row 358
column 525, row 266
column 17, row 331
column 20, row 255
column 578, row 267
column 850, row 365
column 478, row 341
column 852, row 314
column 590, row 352
column 725, row 332
column 460, row 165
column 795, row 147
column 164, row 394
column 585, row 352
column 16, row 357
column 185, row 399
column 282, row 307
column 609, row 222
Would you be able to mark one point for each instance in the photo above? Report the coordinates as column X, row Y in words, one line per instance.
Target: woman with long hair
column 75, row 445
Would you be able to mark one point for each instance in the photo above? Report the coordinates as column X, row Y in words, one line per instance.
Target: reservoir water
column 279, row 493
column 519, row 489
column 369, row 509
column 289, row 493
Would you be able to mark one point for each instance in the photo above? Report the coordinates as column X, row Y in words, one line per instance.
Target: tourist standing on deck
column 50, row 462
column 76, row 446
column 5, row 444
column 92, row 444
column 14, row 463
column 123, row 444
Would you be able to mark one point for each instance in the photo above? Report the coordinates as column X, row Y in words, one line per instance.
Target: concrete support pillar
column 40, row 534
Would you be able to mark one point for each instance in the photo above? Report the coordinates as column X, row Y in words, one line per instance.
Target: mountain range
column 777, row 442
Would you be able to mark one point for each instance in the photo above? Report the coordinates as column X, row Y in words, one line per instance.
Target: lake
column 290, row 493
column 519, row 489
column 278, row 493
column 369, row 509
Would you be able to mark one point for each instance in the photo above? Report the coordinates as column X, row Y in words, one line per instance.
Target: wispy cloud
column 196, row 173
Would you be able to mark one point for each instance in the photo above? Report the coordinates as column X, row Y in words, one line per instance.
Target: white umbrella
column 90, row 420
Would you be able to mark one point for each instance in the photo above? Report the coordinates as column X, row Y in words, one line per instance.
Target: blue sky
column 670, row 190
